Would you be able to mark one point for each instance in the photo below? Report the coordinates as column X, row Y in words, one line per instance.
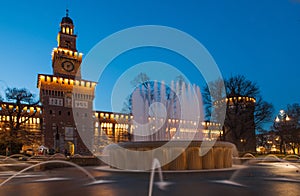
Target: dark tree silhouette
column 288, row 129
column 243, row 108
column 141, row 78
column 18, row 109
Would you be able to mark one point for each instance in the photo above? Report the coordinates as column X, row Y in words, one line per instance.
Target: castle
column 67, row 111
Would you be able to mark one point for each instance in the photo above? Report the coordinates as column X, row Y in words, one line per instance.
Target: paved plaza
column 263, row 178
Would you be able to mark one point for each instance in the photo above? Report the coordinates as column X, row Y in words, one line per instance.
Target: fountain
column 271, row 177
column 167, row 125
column 161, row 184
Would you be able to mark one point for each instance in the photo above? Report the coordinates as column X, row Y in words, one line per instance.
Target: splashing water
column 292, row 156
column 268, row 157
column 272, row 156
column 249, row 155
column 47, row 162
column 161, row 184
column 163, row 113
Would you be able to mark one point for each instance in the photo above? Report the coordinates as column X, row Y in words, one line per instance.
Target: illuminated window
column 67, row 30
column 63, row 30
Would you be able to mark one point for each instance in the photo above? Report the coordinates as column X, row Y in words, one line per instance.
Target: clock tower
column 67, row 99
column 65, row 58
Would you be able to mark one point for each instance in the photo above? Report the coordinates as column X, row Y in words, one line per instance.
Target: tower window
column 50, row 111
column 69, row 113
column 67, row 30
column 63, row 29
column 59, row 112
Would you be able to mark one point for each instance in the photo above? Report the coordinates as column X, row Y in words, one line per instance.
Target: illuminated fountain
column 161, row 113
column 167, row 125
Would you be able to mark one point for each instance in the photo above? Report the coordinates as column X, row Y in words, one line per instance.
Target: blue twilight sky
column 258, row 39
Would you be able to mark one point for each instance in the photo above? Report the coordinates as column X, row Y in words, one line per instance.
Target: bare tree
column 245, row 109
column 141, row 78
column 212, row 94
column 293, row 110
column 288, row 128
column 19, row 108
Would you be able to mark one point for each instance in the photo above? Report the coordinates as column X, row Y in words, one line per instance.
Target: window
column 59, row 112
column 50, row 111
column 69, row 113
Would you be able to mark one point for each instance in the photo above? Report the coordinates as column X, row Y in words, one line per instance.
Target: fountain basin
column 174, row 155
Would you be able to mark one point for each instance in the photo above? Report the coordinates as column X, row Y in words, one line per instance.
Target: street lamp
column 243, row 142
column 280, row 123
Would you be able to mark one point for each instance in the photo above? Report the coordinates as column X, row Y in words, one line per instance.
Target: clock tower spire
column 66, row 38
column 65, row 58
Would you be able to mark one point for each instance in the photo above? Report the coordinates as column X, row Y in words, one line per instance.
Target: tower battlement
column 67, row 52
column 50, row 79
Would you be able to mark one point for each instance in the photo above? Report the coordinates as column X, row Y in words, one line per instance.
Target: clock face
column 68, row 66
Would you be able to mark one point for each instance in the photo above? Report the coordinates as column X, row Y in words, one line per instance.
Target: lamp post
column 280, row 124
column 243, row 142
